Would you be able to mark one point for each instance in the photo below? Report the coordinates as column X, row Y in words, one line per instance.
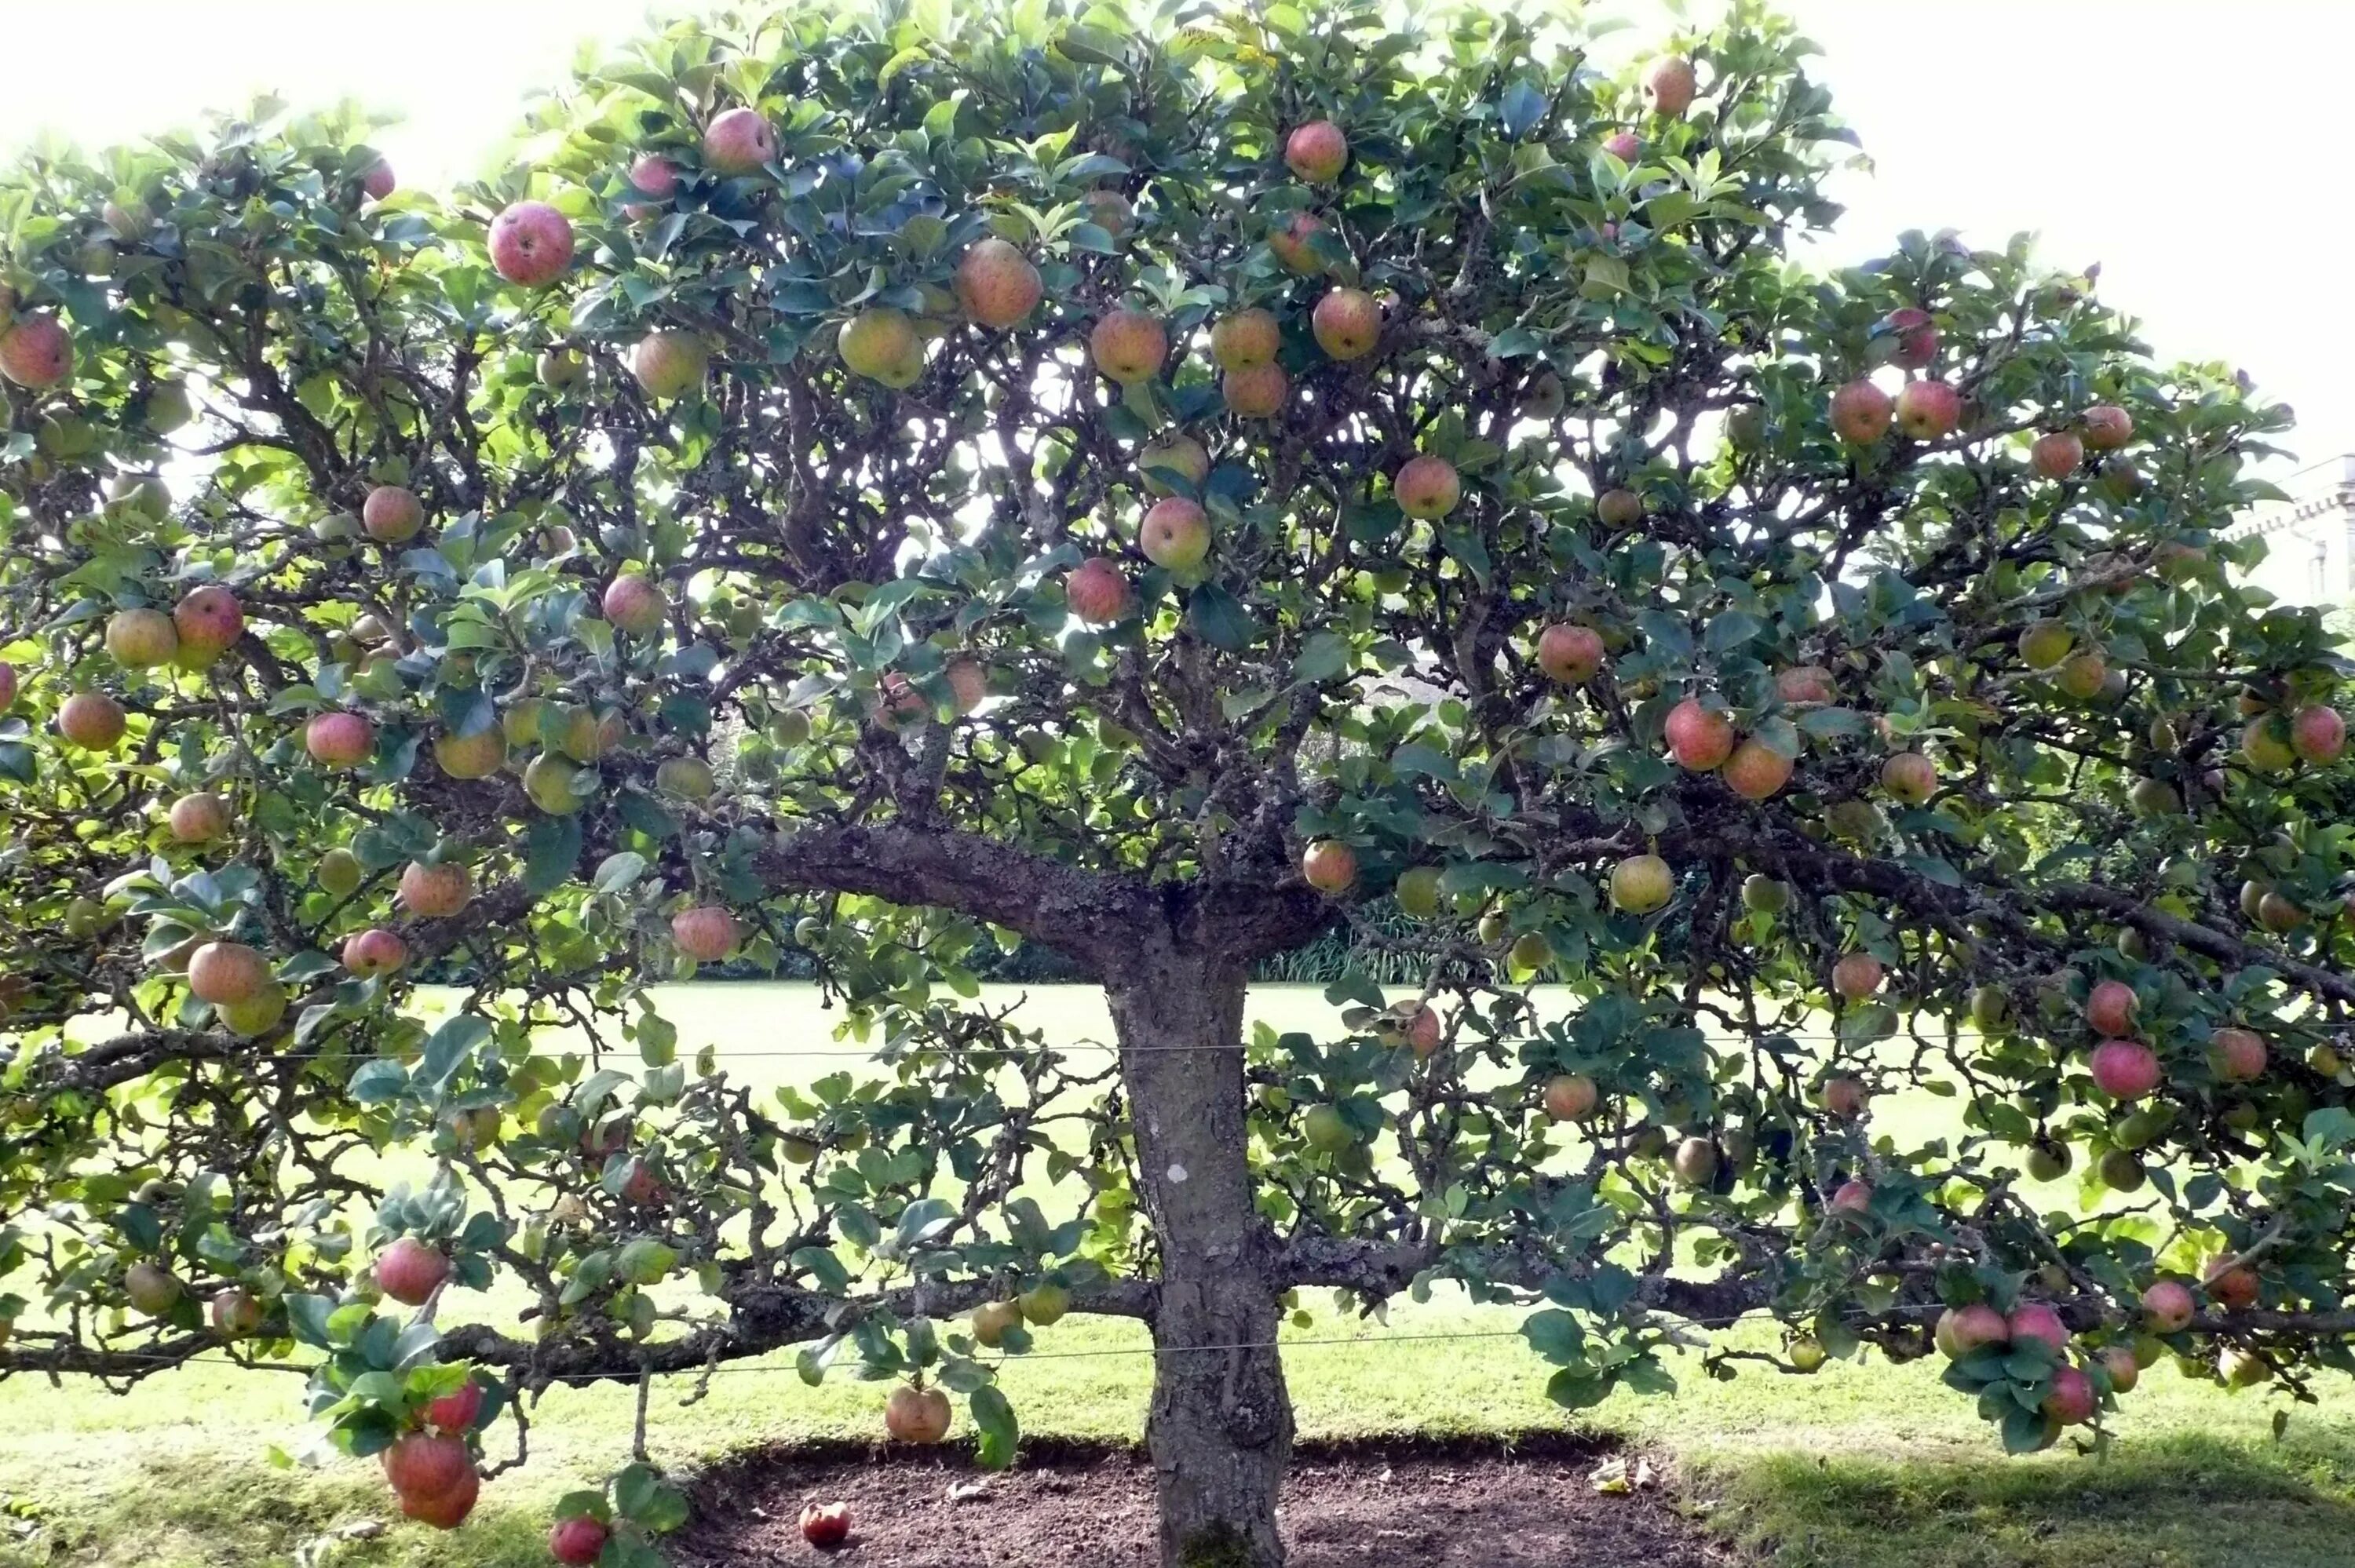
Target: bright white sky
column 2193, row 147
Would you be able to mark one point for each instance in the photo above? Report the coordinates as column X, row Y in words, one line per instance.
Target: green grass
column 1864, row 1465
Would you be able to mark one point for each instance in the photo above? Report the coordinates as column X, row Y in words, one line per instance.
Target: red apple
column 2038, row 1321
column 2124, row 1069
column 1175, row 534
column 375, row 951
column 825, row 1525
column 2056, row 454
column 1570, row 1096
column 92, row 720
column 391, row 514
column 1963, row 1329
column 2168, row 1306
column 1927, row 410
column 37, row 352
column 1623, row 145
column 705, row 933
column 2318, row 734
column 1861, row 413
column 1128, row 346
column 531, row 244
column 426, row 1464
column 635, row 605
column 236, row 1313
column 2110, row 1008
column 1328, row 865
column 2238, row 1055
column 1427, row 487
column 1757, row 771
column 1854, row 1197
column 1346, row 324
column 1317, row 152
column 227, row 973
column 1844, row 1097
column 1857, row 976
column 577, row 1542
column 339, row 739
column 1914, row 335
column 2233, row 1285
column 1097, row 591
column 449, row 1510
column 2072, row 1400
column 2106, row 428
column 739, row 141
column 654, row 176
column 1669, row 86
column 1699, row 738
column 377, row 183
column 199, row 818
column 1569, row 654
column 410, row 1271
column 1806, row 684
column 436, row 892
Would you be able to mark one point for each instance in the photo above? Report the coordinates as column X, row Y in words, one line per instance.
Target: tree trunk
column 1220, row 1430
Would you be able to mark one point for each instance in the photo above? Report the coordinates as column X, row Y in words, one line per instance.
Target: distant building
column 2309, row 538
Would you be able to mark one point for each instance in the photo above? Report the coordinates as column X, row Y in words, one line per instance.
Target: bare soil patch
column 1404, row 1502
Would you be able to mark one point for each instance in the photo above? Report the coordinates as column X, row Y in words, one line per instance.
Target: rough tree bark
column 1221, row 1428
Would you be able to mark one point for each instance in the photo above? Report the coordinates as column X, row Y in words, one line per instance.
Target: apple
column 1258, row 393
column 705, row 933
column 1669, row 86
column 1641, row 884
column 1964, row 1330
column 991, row 1320
column 455, row 1413
column 882, row 344
column 1804, row 683
column 436, row 892
column 2318, row 734
column 669, row 363
column 1757, row 771
column 1569, row 654
column 1857, row 976
column 236, row 1313
column 1861, row 413
column 476, row 755
column 1177, row 453
column 1913, row 337
column 37, row 352
column 2233, row 1285
column 1097, row 591
column 1328, row 865
column 1317, row 152
column 208, row 619
column 825, row 1525
column 446, row 1511
column 1695, row 1162
column 550, row 782
column 373, row 951
column 2118, row 1360
column 151, row 1288
column 1764, row 895
column 2106, row 428
column 1175, row 534
column 2072, row 1400
column 561, row 369
column 577, row 1542
column 2124, row 1069
column 197, row 819
column 410, row 1271
column 1571, row 1097
column 2121, row 1171
column 739, row 141
column 1910, row 776
column 915, row 1415
column 1700, row 738
column 1294, row 244
column 2110, row 1008
column 2036, row 1321
column 1109, row 210
column 1623, row 145
column 2056, row 454
column 2236, row 1054
column 1745, row 427
column 142, row 639
column 1246, row 339
column 1417, row 891
column 1416, row 1024
column 2083, row 675
column 338, row 872
column 426, row 1465
column 1427, row 487
column 227, row 972
column 997, row 284
column 652, row 174
column 1844, row 1097
column 1853, row 1197
column 691, row 779
column 1807, row 1354
column 2044, row 644
column 1619, row 508
column 1044, row 1304
column 1325, row 1130
column 1347, row 324
column 2168, row 1307
column 167, row 408
column 1128, row 346
column 339, row 739
column 1927, row 409
column 377, row 183
column 635, row 605
column 531, row 244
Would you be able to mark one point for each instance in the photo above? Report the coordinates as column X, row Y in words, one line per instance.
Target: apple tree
column 865, row 494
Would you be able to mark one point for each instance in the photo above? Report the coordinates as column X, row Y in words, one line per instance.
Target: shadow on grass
column 2182, row 1501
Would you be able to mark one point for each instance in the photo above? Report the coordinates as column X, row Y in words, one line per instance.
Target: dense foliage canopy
column 1167, row 489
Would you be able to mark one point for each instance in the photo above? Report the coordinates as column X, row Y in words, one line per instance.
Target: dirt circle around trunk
column 1403, row 1502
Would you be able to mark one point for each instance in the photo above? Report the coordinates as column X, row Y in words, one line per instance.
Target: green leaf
column 1221, row 618
column 551, row 849
column 994, row 1418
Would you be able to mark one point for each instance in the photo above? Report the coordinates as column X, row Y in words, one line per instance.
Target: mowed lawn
column 1862, row 1465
